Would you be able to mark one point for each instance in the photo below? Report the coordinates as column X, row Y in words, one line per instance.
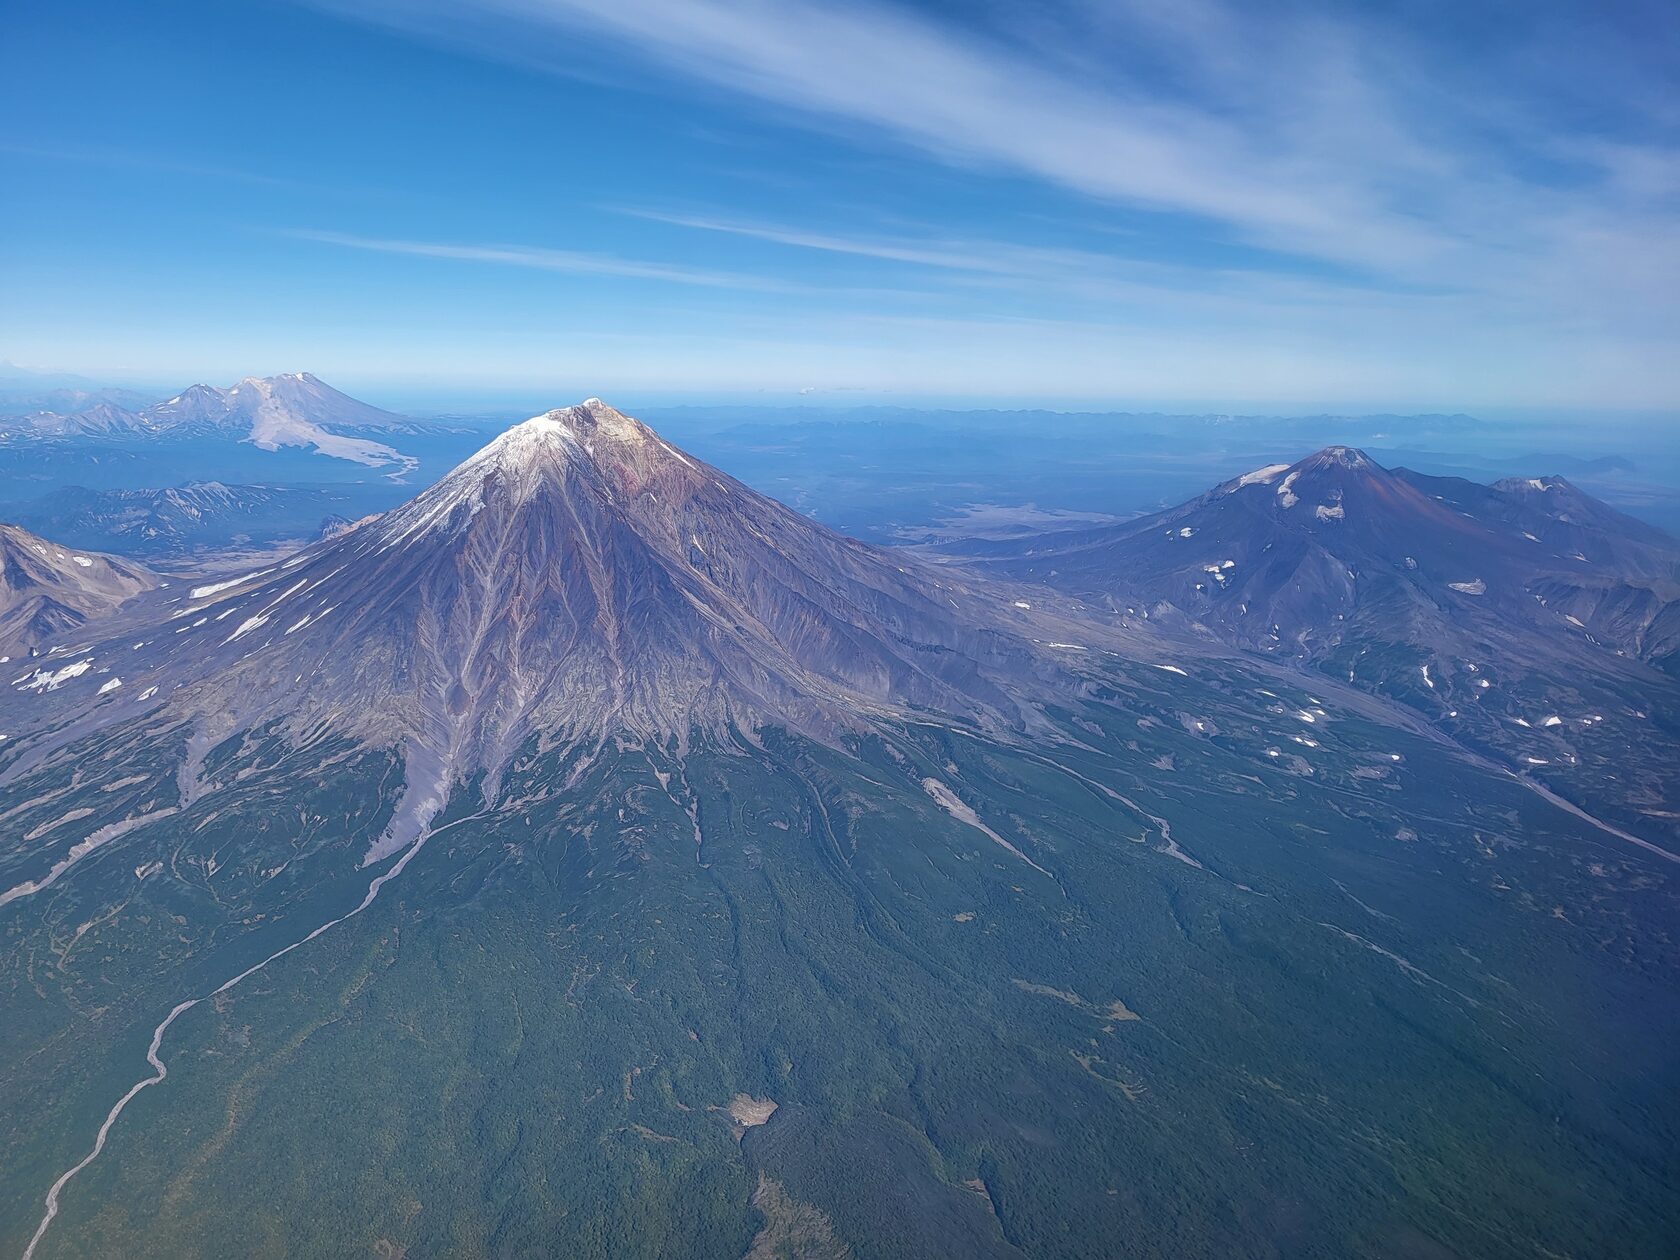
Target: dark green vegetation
column 1400, row 1007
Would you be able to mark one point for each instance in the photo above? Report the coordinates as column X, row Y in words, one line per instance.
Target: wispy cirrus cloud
column 1301, row 129
column 540, row 258
column 968, row 266
column 987, row 280
column 953, row 258
column 1428, row 176
column 957, row 96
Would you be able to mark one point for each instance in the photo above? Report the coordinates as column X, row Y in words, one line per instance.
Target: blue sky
column 1386, row 205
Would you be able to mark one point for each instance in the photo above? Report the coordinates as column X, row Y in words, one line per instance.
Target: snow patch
column 202, row 592
column 245, row 627
column 1260, row 476
column 52, row 680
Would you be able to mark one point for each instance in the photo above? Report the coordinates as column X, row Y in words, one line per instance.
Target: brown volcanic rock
column 47, row 591
column 1305, row 559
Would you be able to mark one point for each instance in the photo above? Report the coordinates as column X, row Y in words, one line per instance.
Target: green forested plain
column 1379, row 1003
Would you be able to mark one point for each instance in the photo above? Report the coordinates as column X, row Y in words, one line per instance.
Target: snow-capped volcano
column 584, row 565
column 579, row 575
column 295, row 409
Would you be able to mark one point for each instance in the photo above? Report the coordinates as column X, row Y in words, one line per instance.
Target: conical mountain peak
column 1331, row 466
column 592, row 418
column 587, row 449
column 1340, row 457
column 579, row 574
column 583, row 425
column 577, row 577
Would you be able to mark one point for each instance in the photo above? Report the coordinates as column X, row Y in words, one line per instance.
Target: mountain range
column 593, row 856
column 296, row 409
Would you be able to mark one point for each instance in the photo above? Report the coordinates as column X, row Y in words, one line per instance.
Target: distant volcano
column 296, row 409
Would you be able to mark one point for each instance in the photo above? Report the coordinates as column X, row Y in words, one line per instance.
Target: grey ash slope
column 1526, row 618
column 47, row 591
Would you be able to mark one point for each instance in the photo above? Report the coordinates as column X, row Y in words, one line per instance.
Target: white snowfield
column 245, row 627
column 1261, row 476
